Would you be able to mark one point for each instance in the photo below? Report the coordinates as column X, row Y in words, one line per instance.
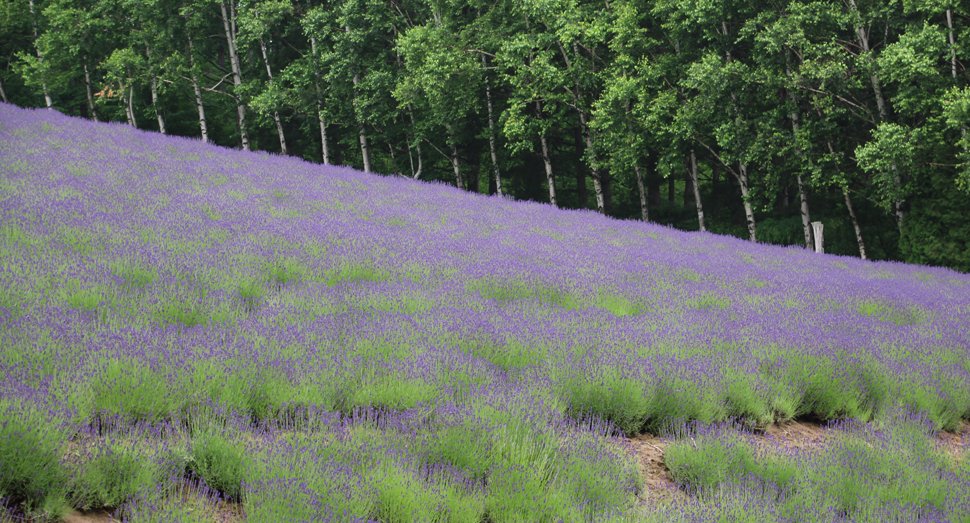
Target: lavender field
column 185, row 326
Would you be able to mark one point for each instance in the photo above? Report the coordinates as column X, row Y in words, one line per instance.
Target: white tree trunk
column 802, row 193
column 748, row 209
column 3, row 93
column 953, row 64
column 158, row 113
column 40, row 55
column 87, row 87
column 855, row 222
column 325, row 149
column 550, row 179
column 644, row 209
column 364, row 148
column 276, row 114
column 697, row 191
column 491, row 130
column 454, row 157
column 415, row 174
column 229, row 26
column 203, row 126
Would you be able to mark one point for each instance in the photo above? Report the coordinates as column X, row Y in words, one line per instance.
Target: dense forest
column 737, row 117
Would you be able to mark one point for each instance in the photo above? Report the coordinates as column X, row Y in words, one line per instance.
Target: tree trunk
column 848, row 204
column 276, row 114
column 124, row 101
column 203, row 126
column 454, row 157
column 3, row 93
column 325, row 149
column 158, row 112
column 695, row 187
column 802, row 192
column 361, row 134
column 644, row 209
column 582, row 192
column 688, row 183
column 855, row 222
column 550, row 179
column 491, row 131
column 748, row 210
column 236, row 70
column 863, row 40
column 87, row 86
column 390, row 149
column 547, row 159
column 40, row 55
column 953, row 65
column 593, row 168
column 601, row 205
column 415, row 174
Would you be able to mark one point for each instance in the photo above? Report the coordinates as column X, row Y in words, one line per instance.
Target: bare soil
column 801, row 436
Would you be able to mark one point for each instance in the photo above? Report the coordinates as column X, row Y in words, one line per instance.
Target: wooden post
column 817, row 229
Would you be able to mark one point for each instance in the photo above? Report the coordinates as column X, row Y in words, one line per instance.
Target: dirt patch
column 801, row 436
column 658, row 486
column 94, row 516
column 955, row 444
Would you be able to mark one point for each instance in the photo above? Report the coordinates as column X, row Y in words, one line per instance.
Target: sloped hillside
column 315, row 342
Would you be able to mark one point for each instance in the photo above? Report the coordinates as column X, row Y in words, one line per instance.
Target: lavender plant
column 327, row 345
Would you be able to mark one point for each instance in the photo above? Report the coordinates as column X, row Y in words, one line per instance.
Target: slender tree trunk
column 697, row 191
column 158, row 112
column 802, row 192
column 587, row 133
column 547, row 160
column 40, row 55
column 364, row 147
column 415, row 174
column 3, row 93
column 742, row 173
column 229, row 25
column 848, row 204
column 863, row 39
column 324, row 147
column 688, row 182
column 491, row 131
column 131, row 104
column 582, row 193
column 87, row 87
column 644, row 209
column 390, row 149
column 454, row 157
column 124, row 101
column 593, row 167
column 203, row 126
column 361, row 131
column 748, row 209
column 276, row 114
column 953, row 64
column 855, row 222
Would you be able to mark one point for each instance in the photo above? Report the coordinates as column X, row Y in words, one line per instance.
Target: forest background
column 737, row 117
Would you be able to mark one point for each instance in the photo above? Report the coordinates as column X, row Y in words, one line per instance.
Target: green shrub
column 31, row 473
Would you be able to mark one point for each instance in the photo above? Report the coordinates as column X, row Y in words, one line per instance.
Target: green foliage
column 515, row 290
column 116, row 473
column 221, row 463
column 351, row 273
column 32, row 475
